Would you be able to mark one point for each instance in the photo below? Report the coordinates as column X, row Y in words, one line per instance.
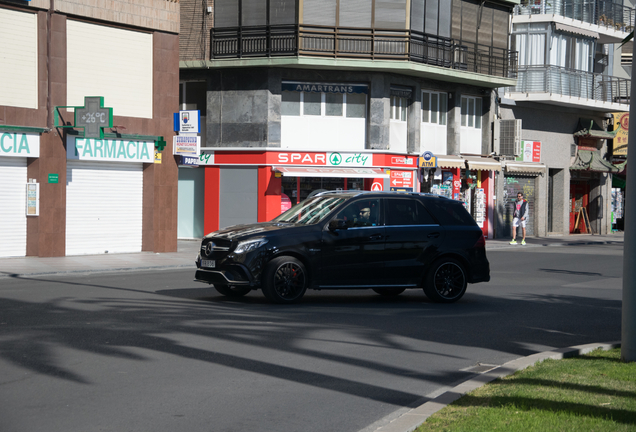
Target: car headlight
column 249, row 245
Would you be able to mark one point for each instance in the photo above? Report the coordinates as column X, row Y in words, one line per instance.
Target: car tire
column 284, row 280
column 389, row 292
column 446, row 281
column 232, row 290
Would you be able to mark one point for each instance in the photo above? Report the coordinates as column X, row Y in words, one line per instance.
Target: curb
column 93, row 271
column 410, row 420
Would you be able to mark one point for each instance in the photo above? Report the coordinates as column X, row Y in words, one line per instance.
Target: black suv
column 385, row 241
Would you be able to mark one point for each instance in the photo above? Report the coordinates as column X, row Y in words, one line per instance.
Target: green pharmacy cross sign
column 93, row 117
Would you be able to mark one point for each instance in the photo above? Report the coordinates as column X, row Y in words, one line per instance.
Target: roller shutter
column 103, row 207
column 13, row 179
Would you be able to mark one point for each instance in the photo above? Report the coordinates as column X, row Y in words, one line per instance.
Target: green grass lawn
column 594, row 392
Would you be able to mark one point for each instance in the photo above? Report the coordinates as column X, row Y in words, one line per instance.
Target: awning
column 591, row 160
column 331, row 172
column 482, row 163
column 450, row 161
column 576, row 30
column 525, row 167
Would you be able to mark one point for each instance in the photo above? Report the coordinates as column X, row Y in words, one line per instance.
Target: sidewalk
column 34, row 266
column 187, row 251
column 570, row 240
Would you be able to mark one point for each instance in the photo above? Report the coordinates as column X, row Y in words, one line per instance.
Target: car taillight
column 481, row 242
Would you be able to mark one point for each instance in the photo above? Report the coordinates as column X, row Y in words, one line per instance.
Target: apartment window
column 434, row 107
column 471, row 112
column 398, row 108
column 571, row 52
column 530, row 41
column 325, row 100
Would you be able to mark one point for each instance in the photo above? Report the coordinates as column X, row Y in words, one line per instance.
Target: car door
column 412, row 240
column 354, row 257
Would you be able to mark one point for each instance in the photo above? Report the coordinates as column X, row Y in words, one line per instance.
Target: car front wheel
column 446, row 281
column 284, row 280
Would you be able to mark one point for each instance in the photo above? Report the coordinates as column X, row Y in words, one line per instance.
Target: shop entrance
column 579, row 198
column 514, row 185
column 303, row 187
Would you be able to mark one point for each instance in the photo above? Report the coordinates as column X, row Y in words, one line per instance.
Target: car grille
column 215, row 248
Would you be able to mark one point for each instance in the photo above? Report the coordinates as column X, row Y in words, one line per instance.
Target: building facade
column 83, row 125
column 571, row 85
column 299, row 96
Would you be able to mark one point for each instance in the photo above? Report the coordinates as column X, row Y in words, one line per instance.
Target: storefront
column 590, row 180
column 104, row 194
column 469, row 179
column 247, row 186
column 15, row 148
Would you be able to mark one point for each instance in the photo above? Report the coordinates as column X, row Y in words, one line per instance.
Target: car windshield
column 310, row 211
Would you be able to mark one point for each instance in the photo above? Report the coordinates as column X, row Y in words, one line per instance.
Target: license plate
column 208, row 263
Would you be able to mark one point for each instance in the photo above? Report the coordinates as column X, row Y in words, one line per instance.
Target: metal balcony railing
column 568, row 82
column 373, row 44
column 604, row 13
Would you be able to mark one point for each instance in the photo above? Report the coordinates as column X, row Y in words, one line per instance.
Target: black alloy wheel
column 389, row 292
column 232, row 290
column 284, row 280
column 446, row 281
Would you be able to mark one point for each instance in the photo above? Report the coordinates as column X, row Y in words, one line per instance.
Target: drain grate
column 480, row 368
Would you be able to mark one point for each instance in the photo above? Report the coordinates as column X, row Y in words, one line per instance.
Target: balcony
column 561, row 86
column 367, row 44
column 603, row 13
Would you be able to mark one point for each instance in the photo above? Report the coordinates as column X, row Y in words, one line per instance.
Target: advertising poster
column 621, row 127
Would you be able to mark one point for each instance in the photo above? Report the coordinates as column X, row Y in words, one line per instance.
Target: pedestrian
column 519, row 217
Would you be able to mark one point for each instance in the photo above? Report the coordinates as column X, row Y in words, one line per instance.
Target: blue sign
column 187, row 121
column 189, row 161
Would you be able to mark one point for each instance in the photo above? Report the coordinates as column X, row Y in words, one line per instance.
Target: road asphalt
column 183, row 258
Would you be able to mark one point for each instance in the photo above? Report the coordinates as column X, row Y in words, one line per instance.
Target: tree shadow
column 117, row 326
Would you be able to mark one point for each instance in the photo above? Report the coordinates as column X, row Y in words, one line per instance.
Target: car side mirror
column 337, row 224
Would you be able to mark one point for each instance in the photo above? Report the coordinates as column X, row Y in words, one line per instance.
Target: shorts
column 516, row 222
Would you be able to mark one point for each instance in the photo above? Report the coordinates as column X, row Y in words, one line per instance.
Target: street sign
column 187, row 121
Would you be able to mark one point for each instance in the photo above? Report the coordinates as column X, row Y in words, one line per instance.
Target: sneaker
column 523, row 242
column 513, row 242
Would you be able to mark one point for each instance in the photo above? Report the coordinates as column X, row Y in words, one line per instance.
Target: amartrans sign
column 114, row 150
column 19, row 144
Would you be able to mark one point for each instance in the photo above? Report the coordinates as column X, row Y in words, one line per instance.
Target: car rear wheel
column 232, row 290
column 389, row 291
column 284, row 280
column 446, row 281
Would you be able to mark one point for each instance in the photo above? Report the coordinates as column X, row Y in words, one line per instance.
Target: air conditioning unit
column 510, row 137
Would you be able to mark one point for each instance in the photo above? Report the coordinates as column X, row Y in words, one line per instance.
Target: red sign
column 401, row 179
column 301, row 158
column 536, row 152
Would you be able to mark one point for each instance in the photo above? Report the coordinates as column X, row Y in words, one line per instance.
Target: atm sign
column 428, row 160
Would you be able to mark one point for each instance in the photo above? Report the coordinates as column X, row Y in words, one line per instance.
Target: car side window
column 404, row 211
column 361, row 213
column 450, row 212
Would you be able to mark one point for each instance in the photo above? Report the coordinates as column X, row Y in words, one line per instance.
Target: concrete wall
column 243, row 105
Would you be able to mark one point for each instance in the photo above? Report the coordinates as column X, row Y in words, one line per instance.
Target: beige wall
column 160, row 15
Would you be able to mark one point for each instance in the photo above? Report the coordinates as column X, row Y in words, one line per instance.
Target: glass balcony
column 573, row 83
column 369, row 44
column 604, row 13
